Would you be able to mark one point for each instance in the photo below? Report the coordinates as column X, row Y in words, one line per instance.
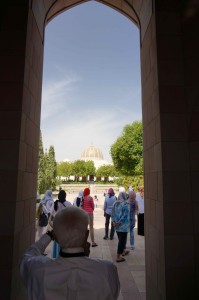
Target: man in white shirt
column 140, row 201
column 73, row 275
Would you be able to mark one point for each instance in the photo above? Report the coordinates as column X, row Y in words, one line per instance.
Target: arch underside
column 124, row 7
column 137, row 11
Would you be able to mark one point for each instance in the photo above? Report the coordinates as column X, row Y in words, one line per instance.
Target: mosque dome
column 92, row 153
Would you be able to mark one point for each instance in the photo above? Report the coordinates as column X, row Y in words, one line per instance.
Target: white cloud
column 71, row 136
column 55, row 94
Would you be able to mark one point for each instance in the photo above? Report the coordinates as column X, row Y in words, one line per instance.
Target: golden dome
column 92, row 153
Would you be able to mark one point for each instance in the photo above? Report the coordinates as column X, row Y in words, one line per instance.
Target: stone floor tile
column 139, row 277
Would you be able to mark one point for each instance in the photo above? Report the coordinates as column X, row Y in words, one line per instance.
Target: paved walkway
column 132, row 271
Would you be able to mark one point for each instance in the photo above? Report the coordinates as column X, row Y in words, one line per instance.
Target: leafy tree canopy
column 127, row 150
column 47, row 170
column 106, row 171
column 79, row 168
column 41, row 182
column 52, row 167
column 64, row 169
column 90, row 168
column 126, row 181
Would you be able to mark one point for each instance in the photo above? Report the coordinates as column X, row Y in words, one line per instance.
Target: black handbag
column 43, row 220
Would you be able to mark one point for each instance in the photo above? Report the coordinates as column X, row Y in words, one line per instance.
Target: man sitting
column 73, row 275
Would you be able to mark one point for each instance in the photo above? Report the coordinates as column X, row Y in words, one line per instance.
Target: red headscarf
column 86, row 191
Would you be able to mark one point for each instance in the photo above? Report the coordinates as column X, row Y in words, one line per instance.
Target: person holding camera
column 73, row 275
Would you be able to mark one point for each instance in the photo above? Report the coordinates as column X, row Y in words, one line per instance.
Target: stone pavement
column 132, row 271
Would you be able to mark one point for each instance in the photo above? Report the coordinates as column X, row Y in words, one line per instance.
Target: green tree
column 127, row 150
column 51, row 167
column 41, row 182
column 90, row 168
column 64, row 169
column 106, row 171
column 78, row 169
column 82, row 169
column 47, row 171
column 134, row 181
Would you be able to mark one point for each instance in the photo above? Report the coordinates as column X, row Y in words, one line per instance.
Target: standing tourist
column 88, row 206
column 108, row 205
column 47, row 202
column 79, row 199
column 96, row 201
column 73, row 275
column 140, row 201
column 59, row 204
column 120, row 218
column 45, row 208
column 133, row 210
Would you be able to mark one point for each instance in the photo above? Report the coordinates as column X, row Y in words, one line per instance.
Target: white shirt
column 140, row 202
column 60, row 206
column 79, row 278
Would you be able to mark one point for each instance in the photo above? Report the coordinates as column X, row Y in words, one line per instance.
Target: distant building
column 91, row 153
column 95, row 154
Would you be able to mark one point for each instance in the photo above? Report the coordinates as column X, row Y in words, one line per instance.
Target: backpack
column 78, row 202
column 43, row 220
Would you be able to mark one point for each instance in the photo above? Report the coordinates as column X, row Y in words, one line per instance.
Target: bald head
column 70, row 227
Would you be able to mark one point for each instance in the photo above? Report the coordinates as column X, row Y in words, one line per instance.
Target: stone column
column 170, row 64
column 21, row 55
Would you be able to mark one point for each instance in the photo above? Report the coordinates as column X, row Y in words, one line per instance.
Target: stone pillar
column 170, row 90
column 154, row 221
column 21, row 55
column 170, row 64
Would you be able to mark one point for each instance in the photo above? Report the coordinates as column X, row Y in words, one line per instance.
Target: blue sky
column 91, row 79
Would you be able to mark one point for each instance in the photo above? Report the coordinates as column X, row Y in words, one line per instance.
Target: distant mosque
column 94, row 154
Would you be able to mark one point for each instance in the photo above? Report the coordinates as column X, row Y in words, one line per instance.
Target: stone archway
column 169, row 64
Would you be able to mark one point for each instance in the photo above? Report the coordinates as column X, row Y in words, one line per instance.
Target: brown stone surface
column 170, row 120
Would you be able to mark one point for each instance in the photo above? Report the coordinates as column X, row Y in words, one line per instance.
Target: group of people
column 70, row 273
column 122, row 213
column 50, row 208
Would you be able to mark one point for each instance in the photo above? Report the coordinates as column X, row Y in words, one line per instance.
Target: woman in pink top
column 88, row 206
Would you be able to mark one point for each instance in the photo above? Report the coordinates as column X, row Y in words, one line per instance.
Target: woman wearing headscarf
column 120, row 219
column 45, row 207
column 59, row 204
column 88, row 206
column 47, row 202
column 108, row 205
column 79, row 199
